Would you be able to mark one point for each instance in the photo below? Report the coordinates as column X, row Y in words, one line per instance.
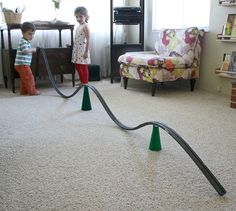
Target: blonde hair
column 83, row 11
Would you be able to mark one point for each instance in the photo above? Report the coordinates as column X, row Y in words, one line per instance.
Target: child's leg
column 23, row 90
column 82, row 69
column 27, row 80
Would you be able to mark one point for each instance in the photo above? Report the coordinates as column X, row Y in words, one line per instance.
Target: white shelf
column 225, row 74
column 226, row 38
column 228, row 4
column 222, row 40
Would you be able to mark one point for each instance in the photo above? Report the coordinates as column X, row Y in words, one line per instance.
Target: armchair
column 176, row 56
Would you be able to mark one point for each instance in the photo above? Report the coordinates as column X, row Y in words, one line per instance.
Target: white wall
column 212, row 51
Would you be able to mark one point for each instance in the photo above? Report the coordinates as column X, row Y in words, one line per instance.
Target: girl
column 80, row 53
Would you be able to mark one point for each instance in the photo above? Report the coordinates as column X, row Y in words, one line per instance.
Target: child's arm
column 87, row 35
column 29, row 50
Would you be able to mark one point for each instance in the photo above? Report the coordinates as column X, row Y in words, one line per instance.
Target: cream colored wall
column 212, row 52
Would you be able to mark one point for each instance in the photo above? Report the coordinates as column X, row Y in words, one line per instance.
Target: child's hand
column 29, row 50
column 85, row 55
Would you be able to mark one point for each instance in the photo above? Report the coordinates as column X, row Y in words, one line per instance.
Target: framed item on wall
column 232, row 64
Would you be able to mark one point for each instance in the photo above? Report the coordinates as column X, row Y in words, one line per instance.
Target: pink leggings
column 82, row 70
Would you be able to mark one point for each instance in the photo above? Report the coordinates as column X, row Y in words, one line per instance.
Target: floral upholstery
column 179, row 43
column 177, row 55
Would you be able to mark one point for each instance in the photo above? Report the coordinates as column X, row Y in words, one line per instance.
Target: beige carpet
column 53, row 156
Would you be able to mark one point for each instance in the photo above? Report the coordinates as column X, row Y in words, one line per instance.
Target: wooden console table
column 59, row 58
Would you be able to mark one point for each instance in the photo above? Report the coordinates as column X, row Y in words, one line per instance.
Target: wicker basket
column 12, row 18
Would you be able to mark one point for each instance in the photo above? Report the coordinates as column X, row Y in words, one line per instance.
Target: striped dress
column 23, row 58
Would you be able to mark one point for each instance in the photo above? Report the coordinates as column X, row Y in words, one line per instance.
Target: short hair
column 83, row 11
column 26, row 26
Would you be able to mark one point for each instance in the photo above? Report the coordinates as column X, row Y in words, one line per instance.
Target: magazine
column 226, row 61
column 230, row 25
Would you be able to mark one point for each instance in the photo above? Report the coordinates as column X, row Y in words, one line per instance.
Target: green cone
column 155, row 142
column 86, row 105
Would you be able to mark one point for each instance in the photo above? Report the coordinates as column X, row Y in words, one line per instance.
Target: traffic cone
column 86, row 105
column 155, row 142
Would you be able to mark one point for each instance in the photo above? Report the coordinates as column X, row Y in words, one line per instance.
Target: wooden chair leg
column 192, row 84
column 5, row 81
column 73, row 79
column 154, row 84
column 125, row 79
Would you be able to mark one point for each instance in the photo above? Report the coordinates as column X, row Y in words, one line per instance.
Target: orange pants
column 27, row 84
column 82, row 70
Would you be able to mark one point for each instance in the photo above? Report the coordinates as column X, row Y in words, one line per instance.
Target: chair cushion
column 176, row 48
column 177, row 43
column 152, row 59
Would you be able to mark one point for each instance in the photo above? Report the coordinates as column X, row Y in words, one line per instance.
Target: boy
column 24, row 58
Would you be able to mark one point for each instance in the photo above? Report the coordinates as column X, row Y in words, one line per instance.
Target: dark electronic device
column 128, row 15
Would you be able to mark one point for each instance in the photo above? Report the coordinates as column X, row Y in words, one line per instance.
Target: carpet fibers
column 54, row 156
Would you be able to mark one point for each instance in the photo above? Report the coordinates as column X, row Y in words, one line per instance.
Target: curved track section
column 204, row 169
column 52, row 79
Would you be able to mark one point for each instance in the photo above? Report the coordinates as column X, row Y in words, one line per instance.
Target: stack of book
column 233, row 95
